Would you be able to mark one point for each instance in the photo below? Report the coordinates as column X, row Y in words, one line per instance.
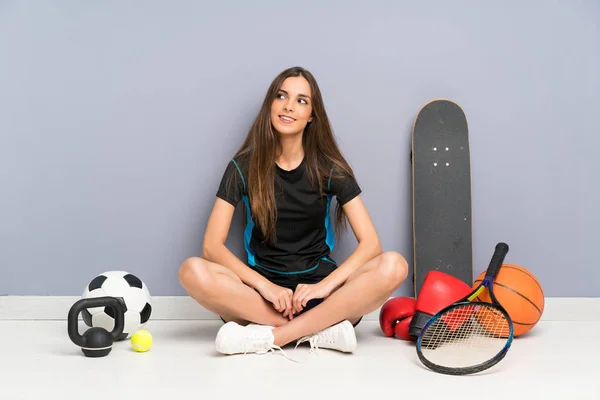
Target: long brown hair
column 320, row 148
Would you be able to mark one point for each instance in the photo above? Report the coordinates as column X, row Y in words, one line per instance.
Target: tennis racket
column 469, row 335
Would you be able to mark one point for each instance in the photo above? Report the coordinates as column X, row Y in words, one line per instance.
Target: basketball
column 520, row 293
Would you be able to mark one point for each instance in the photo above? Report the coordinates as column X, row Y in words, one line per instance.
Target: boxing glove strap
column 418, row 322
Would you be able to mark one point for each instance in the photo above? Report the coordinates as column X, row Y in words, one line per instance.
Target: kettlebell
column 96, row 341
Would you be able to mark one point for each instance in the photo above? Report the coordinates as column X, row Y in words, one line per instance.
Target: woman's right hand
column 280, row 297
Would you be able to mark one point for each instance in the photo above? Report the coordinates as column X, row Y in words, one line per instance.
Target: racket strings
column 465, row 336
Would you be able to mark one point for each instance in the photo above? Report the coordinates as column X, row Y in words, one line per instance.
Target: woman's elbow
column 376, row 247
column 208, row 250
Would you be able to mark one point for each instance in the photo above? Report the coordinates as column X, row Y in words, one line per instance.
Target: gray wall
column 118, row 118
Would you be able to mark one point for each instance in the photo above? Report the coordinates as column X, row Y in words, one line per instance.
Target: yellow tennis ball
column 141, row 341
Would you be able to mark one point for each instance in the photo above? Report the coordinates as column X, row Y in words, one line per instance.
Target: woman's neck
column 291, row 152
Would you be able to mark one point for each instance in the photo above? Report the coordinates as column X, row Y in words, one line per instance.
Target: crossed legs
column 221, row 291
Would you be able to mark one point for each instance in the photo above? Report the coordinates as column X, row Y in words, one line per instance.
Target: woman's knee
column 393, row 267
column 195, row 273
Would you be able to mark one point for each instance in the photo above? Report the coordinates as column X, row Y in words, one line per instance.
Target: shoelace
column 327, row 335
column 264, row 347
column 273, row 348
column 314, row 348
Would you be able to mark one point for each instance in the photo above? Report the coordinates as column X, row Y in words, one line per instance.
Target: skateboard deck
column 440, row 158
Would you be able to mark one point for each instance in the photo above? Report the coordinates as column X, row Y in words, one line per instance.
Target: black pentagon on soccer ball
column 109, row 310
column 97, row 282
column 133, row 281
column 145, row 314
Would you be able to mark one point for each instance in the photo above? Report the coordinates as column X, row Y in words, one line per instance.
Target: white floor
column 38, row 361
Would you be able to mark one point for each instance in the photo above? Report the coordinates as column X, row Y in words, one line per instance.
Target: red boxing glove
column 395, row 316
column 439, row 290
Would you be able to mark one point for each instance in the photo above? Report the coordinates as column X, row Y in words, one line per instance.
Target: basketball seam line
column 513, row 321
column 519, row 294
column 533, row 278
column 524, row 324
column 529, row 275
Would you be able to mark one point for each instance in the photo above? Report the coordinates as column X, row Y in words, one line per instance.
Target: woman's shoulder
column 241, row 161
column 243, row 157
column 234, row 179
column 339, row 171
column 237, row 166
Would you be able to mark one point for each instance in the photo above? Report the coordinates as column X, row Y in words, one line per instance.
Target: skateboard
column 440, row 158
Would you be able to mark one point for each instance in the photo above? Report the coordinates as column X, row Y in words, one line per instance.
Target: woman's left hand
column 306, row 292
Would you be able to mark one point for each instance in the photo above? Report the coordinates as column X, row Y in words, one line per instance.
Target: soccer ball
column 128, row 288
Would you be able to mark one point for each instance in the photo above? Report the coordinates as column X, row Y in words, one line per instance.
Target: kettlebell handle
column 91, row 302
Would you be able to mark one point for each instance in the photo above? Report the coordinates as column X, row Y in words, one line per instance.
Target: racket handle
column 497, row 260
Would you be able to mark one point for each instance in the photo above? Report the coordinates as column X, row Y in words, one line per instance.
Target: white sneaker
column 339, row 337
column 234, row 338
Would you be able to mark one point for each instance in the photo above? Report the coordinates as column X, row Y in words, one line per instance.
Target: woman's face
column 292, row 108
